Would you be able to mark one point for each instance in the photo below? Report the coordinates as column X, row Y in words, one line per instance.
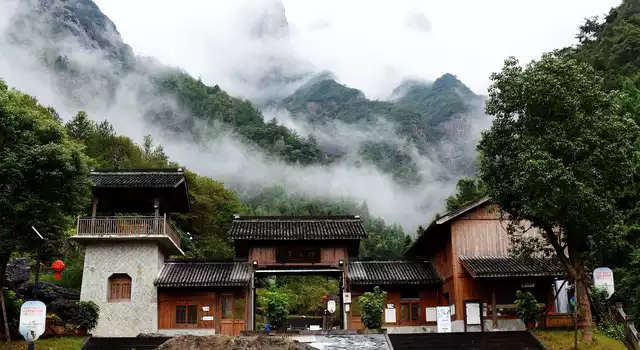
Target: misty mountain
column 424, row 117
column 292, row 125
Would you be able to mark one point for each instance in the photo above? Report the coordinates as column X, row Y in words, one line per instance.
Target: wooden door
column 232, row 313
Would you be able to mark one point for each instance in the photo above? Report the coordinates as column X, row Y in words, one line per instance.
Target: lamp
column 341, row 262
column 254, row 263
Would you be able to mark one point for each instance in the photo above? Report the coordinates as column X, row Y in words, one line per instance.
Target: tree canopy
column 43, row 175
column 560, row 155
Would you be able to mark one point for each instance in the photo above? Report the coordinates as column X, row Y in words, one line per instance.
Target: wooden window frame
column 409, row 304
column 186, row 305
column 122, row 284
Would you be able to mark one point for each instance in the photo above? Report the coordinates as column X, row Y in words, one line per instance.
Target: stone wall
column 141, row 261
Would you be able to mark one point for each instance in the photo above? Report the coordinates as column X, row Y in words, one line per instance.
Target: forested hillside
column 611, row 45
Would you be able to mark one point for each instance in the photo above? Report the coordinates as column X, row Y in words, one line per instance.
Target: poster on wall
column 444, row 319
column 431, row 314
column 473, row 313
column 390, row 316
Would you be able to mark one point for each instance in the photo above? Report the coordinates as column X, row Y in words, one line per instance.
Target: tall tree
column 559, row 155
column 467, row 191
column 43, row 175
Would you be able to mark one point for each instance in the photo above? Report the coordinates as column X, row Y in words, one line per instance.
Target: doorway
column 302, row 291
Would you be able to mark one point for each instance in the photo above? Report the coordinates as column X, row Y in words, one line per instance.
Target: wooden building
column 469, row 248
column 132, row 273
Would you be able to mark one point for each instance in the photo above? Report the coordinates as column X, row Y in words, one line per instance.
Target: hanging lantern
column 324, row 298
column 57, row 267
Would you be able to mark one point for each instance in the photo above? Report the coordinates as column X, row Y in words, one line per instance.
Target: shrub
column 372, row 306
column 276, row 308
column 526, row 307
column 88, row 316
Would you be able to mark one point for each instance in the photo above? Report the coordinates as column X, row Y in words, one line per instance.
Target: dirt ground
column 222, row 342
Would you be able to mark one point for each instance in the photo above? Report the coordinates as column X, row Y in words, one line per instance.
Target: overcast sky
column 369, row 44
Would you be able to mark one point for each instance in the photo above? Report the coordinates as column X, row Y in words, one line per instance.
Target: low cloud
column 225, row 157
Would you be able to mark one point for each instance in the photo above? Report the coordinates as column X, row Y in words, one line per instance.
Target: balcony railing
column 127, row 226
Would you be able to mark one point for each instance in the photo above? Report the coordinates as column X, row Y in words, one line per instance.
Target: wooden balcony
column 129, row 228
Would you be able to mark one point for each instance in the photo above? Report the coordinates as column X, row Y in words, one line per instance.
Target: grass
column 55, row 343
column 563, row 340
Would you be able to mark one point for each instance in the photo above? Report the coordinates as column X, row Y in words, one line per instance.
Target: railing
column 127, row 226
column 631, row 334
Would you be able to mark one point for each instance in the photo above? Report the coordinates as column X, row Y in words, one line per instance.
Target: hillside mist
column 293, row 124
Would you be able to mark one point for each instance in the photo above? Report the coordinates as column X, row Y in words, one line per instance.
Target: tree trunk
column 582, row 299
column 3, row 267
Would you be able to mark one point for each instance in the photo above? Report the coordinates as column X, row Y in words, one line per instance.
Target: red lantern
column 57, row 267
column 324, row 298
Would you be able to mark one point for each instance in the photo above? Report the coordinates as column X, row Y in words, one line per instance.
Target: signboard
column 528, row 285
column 444, row 319
column 33, row 317
column 297, row 254
column 205, row 308
column 389, row 315
column 207, row 318
column 346, row 297
column 331, row 306
column 473, row 313
column 603, row 279
column 431, row 314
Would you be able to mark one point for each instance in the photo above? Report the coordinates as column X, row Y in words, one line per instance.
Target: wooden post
column 94, row 210
column 156, row 206
column 494, row 311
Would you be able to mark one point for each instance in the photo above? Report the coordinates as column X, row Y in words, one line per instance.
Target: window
column 227, row 307
column 239, row 308
column 186, row 314
column 409, row 312
column 119, row 287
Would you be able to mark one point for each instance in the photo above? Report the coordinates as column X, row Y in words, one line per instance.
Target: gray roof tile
column 297, row 228
column 137, row 178
column 194, row 273
column 392, row 272
column 504, row 266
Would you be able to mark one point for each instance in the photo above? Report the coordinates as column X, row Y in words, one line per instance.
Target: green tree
column 467, row 191
column 372, row 306
column 213, row 207
column 559, row 155
column 43, row 175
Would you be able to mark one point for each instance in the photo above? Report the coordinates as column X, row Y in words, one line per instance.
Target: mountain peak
column 272, row 22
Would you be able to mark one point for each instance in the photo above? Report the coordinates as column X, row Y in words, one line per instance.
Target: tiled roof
column 297, row 228
column 504, row 266
column 193, row 273
column 392, row 272
column 138, row 178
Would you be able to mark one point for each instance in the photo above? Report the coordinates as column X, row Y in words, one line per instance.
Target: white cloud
column 364, row 42
column 368, row 46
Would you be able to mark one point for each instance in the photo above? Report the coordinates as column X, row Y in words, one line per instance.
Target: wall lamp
column 341, row 262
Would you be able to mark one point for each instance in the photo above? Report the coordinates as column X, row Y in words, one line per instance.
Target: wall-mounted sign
column 207, row 318
column 205, row 308
column 528, row 285
column 390, row 306
column 390, row 315
column 297, row 254
column 603, row 279
column 33, row 317
column 431, row 314
column 444, row 319
column 346, row 297
column 346, row 307
column 331, row 306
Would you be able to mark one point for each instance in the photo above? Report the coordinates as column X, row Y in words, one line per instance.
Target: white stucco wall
column 141, row 261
